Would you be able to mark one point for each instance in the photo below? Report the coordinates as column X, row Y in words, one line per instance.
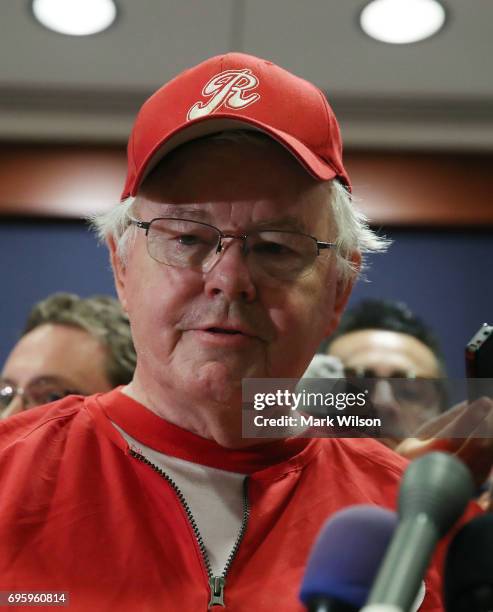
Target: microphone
column 468, row 580
column 345, row 558
column 434, row 492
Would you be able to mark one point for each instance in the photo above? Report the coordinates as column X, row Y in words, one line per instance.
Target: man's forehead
column 240, row 182
column 227, row 158
column 369, row 347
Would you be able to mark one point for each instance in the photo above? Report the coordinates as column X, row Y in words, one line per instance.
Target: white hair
column 115, row 224
column 352, row 229
column 354, row 235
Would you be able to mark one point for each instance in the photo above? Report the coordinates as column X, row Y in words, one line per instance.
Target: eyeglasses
column 407, row 388
column 279, row 254
column 36, row 393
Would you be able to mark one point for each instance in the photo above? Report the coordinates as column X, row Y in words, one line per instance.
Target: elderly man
column 234, row 252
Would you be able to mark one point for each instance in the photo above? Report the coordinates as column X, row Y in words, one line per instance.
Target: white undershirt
column 215, row 498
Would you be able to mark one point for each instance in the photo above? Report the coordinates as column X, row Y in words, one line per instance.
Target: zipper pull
column 217, row 584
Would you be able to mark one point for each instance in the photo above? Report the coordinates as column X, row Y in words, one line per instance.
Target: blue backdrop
column 444, row 276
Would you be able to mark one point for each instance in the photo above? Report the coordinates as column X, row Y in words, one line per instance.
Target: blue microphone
column 345, row 559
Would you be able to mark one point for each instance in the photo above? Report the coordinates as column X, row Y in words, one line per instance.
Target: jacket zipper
column 217, row 584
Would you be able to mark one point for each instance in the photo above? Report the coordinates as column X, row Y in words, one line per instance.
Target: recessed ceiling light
column 402, row 21
column 75, row 17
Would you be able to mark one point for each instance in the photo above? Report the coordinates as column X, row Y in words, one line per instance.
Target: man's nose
column 230, row 274
column 384, row 399
column 13, row 407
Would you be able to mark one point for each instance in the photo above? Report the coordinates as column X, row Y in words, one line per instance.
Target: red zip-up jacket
column 80, row 513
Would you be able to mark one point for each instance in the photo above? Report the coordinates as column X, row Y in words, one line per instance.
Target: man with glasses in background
column 400, row 360
column 234, row 251
column 70, row 345
column 385, row 347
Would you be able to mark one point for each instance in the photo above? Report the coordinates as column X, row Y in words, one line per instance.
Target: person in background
column 70, row 345
column 385, row 338
column 382, row 339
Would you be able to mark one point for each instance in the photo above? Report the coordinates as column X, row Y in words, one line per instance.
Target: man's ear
column 119, row 272
column 343, row 291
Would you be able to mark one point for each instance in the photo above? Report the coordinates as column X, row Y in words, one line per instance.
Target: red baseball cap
column 236, row 91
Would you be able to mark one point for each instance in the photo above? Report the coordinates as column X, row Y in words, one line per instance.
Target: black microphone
column 434, row 492
column 345, row 558
column 468, row 581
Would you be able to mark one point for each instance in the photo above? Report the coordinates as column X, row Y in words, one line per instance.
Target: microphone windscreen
column 438, row 485
column 347, row 554
column 468, row 578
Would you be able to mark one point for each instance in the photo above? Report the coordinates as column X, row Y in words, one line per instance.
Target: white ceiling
column 437, row 94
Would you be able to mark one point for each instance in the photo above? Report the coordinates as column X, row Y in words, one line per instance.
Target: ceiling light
column 402, row 21
column 75, row 17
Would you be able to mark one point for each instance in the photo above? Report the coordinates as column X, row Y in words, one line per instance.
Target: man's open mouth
column 220, row 330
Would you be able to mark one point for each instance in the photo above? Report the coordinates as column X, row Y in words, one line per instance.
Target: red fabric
column 78, row 513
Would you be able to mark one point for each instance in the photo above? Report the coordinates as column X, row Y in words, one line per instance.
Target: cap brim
column 315, row 165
